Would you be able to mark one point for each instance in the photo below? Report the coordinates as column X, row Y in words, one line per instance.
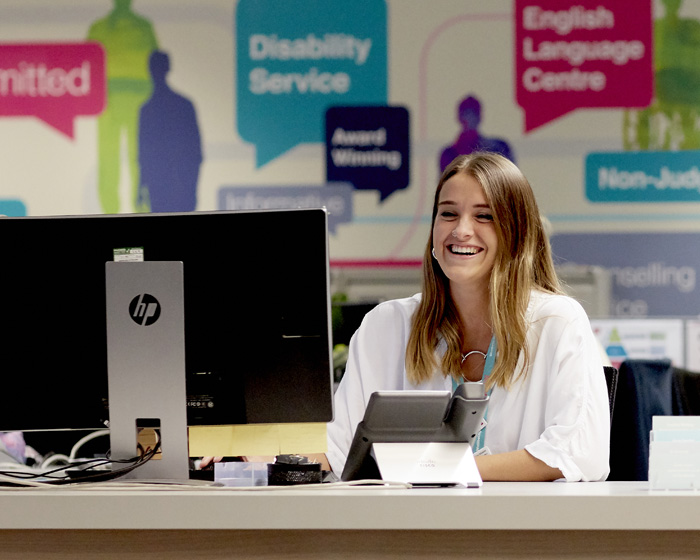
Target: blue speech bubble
column 335, row 197
column 298, row 57
column 368, row 147
column 643, row 176
column 657, row 272
column 12, row 207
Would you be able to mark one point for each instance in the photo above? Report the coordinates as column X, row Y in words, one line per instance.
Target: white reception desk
column 500, row 520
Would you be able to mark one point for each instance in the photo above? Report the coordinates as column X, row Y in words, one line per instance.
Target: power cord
column 88, row 471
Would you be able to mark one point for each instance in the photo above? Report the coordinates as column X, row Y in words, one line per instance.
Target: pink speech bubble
column 594, row 53
column 54, row 82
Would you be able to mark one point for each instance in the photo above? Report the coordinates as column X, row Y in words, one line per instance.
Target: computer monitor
column 256, row 308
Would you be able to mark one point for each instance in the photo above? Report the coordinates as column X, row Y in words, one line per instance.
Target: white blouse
column 559, row 412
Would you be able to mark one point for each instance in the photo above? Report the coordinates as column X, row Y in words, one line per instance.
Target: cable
column 204, row 486
column 82, row 441
column 88, row 472
column 132, row 464
column 9, row 482
column 352, row 484
column 12, row 466
column 58, row 457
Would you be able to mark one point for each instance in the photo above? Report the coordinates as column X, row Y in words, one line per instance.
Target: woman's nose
column 464, row 229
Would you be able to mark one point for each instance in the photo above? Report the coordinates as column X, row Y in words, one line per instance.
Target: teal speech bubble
column 643, row 176
column 12, row 207
column 298, row 57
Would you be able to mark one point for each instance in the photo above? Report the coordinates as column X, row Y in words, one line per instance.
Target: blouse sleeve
column 576, row 413
column 376, row 362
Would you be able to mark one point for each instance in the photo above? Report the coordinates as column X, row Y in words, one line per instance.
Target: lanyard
column 489, row 361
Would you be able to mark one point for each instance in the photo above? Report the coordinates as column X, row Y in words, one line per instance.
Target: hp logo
column 144, row 309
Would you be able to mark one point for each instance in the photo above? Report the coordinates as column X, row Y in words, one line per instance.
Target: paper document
column 257, row 439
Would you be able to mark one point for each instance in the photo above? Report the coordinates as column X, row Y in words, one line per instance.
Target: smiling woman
column 491, row 310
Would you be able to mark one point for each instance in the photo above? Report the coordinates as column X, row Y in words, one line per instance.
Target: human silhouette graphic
column 170, row 151
column 128, row 40
column 470, row 139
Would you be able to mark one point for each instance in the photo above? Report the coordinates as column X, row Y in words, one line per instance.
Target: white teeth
column 464, row 250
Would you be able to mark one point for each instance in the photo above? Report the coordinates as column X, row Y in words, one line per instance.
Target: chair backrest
column 644, row 390
column 611, row 374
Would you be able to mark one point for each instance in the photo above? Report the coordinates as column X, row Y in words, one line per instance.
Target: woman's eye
column 448, row 214
column 484, row 217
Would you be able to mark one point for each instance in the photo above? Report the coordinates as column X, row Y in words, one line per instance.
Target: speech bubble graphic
column 656, row 270
column 592, row 53
column 55, row 82
column 12, row 207
column 643, row 177
column 298, row 57
column 335, row 197
column 368, row 147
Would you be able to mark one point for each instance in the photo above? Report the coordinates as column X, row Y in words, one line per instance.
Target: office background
column 263, row 103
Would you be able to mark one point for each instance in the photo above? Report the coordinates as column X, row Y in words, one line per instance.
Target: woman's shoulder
column 394, row 309
column 387, row 322
column 544, row 304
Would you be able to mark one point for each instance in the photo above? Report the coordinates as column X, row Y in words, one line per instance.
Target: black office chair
column 644, row 390
column 611, row 374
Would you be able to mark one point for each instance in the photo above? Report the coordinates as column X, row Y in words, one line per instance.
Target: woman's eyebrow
column 452, row 203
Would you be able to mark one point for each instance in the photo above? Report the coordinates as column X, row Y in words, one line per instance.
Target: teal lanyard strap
column 489, row 361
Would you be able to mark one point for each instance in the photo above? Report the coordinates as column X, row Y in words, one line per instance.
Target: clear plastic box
column 241, row 474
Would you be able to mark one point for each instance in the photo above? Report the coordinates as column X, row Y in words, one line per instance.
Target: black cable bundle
column 88, row 471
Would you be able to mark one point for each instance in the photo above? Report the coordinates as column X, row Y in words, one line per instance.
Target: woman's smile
column 462, row 250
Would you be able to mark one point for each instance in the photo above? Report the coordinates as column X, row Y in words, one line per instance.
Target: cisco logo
column 144, row 309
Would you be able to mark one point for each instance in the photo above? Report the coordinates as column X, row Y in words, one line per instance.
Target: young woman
column 491, row 310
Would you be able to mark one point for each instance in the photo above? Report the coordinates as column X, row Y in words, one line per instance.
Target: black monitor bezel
column 247, row 234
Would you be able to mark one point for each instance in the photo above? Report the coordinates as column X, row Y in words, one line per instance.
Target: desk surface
column 624, row 506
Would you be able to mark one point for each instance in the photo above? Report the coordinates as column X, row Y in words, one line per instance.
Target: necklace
column 465, row 356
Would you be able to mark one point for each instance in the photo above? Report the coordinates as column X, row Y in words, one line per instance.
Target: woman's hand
column 206, row 461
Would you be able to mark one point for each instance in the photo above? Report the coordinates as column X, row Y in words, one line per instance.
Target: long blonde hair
column 523, row 262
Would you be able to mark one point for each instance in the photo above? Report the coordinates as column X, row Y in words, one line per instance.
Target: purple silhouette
column 170, row 151
column 470, row 140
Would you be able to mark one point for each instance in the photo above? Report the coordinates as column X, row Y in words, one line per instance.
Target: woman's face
column 464, row 235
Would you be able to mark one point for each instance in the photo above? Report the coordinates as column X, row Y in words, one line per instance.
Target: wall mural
column 128, row 40
column 118, row 106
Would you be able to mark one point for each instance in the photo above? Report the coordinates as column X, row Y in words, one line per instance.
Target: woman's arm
column 376, row 362
column 515, row 466
column 565, row 415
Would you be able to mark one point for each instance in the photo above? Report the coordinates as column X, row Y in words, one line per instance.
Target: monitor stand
column 146, row 364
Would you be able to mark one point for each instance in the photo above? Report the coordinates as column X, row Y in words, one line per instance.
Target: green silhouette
column 672, row 121
column 128, row 40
